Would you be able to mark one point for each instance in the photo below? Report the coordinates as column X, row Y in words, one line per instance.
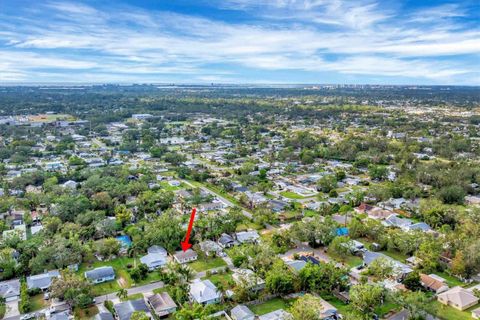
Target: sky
column 240, row 41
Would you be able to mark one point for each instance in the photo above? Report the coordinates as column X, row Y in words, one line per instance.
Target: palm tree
column 122, row 293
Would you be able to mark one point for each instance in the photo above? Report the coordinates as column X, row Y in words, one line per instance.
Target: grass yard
column 386, row 307
column 339, row 304
column 166, row 186
column 310, row 213
column 105, row 288
column 85, row 314
column 448, row 313
column 451, row 280
column 153, row 276
column 395, row 255
column 269, row 306
column 225, row 280
column 204, row 264
column 350, row 260
column 248, row 225
column 120, row 265
column 291, row 195
column 133, row 297
column 38, row 302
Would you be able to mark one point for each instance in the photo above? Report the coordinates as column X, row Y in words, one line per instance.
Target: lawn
column 350, row 260
column 269, row 306
column 120, row 265
column 339, row 304
column 248, row 225
column 310, row 213
column 451, row 280
column 291, row 195
column 85, row 314
column 37, row 302
column 386, row 307
column 153, row 276
column 133, row 297
column 166, row 186
column 204, row 264
column 224, row 279
column 448, row 313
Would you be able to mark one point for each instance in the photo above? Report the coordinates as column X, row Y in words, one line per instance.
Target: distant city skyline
column 240, row 42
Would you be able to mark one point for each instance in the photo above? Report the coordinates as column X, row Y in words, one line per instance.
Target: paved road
column 100, row 299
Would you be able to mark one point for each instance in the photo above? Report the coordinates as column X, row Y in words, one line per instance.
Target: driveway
column 12, row 309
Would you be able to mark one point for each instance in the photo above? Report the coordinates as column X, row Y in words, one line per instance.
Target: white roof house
column 204, row 292
column 247, row 236
column 279, row 314
column 154, row 260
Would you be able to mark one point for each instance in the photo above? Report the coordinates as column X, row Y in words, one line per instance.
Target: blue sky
column 240, row 41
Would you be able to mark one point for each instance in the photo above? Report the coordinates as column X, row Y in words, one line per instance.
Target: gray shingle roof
column 42, row 281
column 125, row 309
column 10, row 288
column 242, row 312
column 99, row 273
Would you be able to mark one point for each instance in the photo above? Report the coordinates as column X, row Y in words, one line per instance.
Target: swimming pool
column 125, row 241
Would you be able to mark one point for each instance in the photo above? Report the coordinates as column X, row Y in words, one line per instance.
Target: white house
column 204, row 292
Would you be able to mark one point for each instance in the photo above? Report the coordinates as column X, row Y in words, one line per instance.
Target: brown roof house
column 433, row 283
column 458, row 298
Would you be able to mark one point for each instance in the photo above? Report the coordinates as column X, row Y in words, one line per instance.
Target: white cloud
column 363, row 38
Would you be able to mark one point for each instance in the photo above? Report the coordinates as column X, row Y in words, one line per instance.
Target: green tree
column 280, row 279
column 327, row 183
column 412, row 281
column 307, row 307
column 364, row 298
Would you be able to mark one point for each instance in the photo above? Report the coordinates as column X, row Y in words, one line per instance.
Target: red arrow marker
column 185, row 244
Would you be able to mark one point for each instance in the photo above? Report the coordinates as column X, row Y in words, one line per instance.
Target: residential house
column 226, row 241
column 156, row 258
column 242, row 312
column 249, row 278
column 296, row 265
column 124, row 310
column 279, row 314
column 204, row 292
column 185, row 256
column 210, row 247
column 329, row 312
column 210, row 206
column 396, row 221
column 277, row 205
column 433, row 283
column 400, row 270
column 458, row 298
column 64, row 315
column 10, row 290
column 70, row 184
column 103, row 316
column 247, row 236
column 100, row 275
column 162, row 304
column 476, row 313
column 373, row 212
column 42, row 281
